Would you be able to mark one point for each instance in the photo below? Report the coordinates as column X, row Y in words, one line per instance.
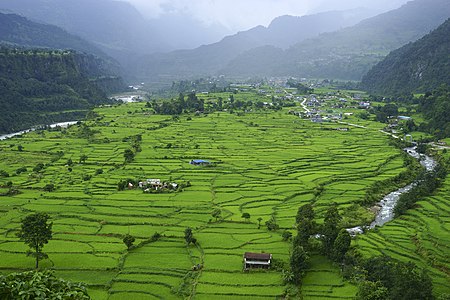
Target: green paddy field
column 264, row 163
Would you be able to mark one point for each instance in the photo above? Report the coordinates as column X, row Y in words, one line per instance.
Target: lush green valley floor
column 266, row 164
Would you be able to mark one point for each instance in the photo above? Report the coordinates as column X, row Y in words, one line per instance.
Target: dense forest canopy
column 37, row 85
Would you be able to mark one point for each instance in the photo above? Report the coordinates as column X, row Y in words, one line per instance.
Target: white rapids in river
column 388, row 203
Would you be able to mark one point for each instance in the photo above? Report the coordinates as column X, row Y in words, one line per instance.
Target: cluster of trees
column 40, row 285
column 379, row 278
column 191, row 103
column 301, row 88
column 435, row 107
column 335, row 241
column 427, row 183
column 387, row 279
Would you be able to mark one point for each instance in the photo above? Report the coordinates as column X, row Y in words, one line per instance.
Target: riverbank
column 60, row 124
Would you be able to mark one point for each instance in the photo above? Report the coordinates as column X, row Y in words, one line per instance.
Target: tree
column 128, row 154
column 286, row 235
column 20, row 148
column 305, row 212
column 189, row 236
column 50, row 187
column 246, row 216
column 305, row 229
column 36, row 232
column 259, row 222
column 272, row 225
column 341, row 245
column 330, row 228
column 128, row 240
column 369, row 290
column 40, row 285
column 216, row 213
column 299, row 263
column 83, row 158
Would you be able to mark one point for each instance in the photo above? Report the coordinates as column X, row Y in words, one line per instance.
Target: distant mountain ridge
column 421, row 66
column 282, row 32
column 348, row 53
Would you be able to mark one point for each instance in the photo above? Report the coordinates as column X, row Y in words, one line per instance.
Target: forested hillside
column 41, row 86
column 417, row 67
column 17, row 30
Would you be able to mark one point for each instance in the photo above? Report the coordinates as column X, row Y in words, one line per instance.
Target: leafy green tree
column 305, row 229
column 305, row 212
column 83, row 158
column 272, row 224
column 40, row 285
column 20, row 148
column 36, row 232
column 128, row 240
column 128, row 154
column 341, row 245
column 189, row 236
column 330, row 229
column 259, row 222
column 298, row 263
column 286, row 235
column 246, row 216
column 50, row 187
column 369, row 290
column 216, row 213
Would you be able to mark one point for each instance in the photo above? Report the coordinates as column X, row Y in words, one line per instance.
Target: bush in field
column 36, row 232
column 3, row 173
column 272, row 225
column 38, row 167
column 128, row 154
column 128, row 240
column 39, row 285
column 21, row 170
column 246, row 216
column 189, row 236
column 287, row 235
column 216, row 213
column 50, row 187
column 83, row 158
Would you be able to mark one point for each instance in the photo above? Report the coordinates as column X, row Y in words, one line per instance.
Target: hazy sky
column 244, row 14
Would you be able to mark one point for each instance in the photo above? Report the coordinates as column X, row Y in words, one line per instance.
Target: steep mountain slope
column 112, row 25
column 417, row 67
column 351, row 52
column 283, row 32
column 37, row 86
column 116, row 27
column 17, row 30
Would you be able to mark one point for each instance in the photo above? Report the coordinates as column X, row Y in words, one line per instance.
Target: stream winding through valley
column 388, row 203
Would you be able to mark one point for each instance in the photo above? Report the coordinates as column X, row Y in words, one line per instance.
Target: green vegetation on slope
column 418, row 67
column 41, row 87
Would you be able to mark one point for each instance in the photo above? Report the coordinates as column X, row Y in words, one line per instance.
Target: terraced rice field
column 421, row 236
column 266, row 164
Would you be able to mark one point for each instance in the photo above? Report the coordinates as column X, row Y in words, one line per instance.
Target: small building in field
column 199, row 162
column 257, row 260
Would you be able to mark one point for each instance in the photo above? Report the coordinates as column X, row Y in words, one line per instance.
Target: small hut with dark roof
column 257, row 260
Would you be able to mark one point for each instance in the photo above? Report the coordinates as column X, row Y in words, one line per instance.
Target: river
column 61, row 124
column 388, row 203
